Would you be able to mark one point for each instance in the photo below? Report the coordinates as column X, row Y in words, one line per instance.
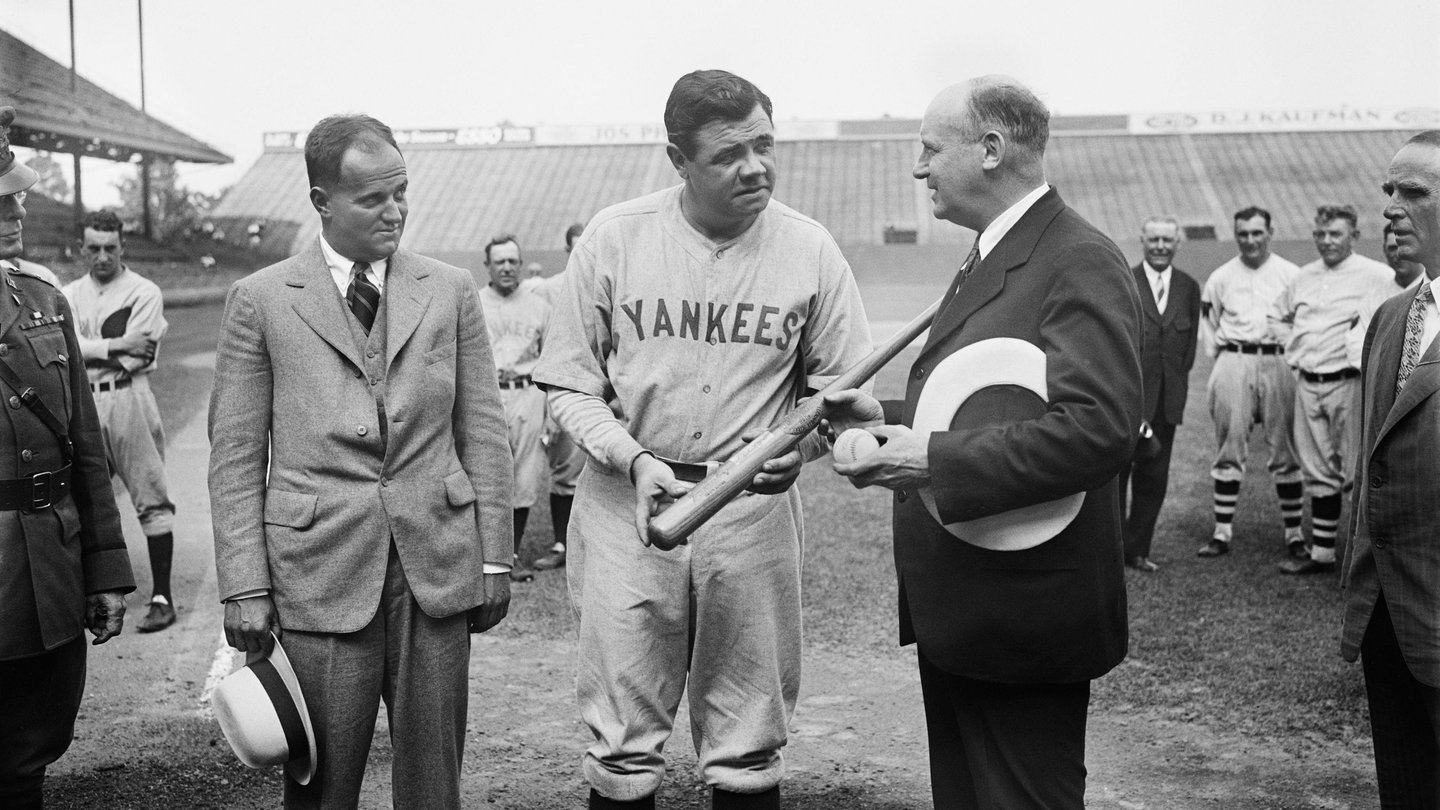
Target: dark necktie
column 1414, row 331
column 966, row 268
column 362, row 297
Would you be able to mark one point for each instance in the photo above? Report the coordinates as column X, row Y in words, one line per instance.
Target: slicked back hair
column 500, row 240
column 1251, row 212
column 333, row 136
column 1013, row 109
column 572, row 233
column 1164, row 219
column 103, row 220
column 704, row 96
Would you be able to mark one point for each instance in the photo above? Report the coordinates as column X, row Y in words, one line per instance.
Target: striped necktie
column 1414, row 331
column 1160, row 295
column 362, row 297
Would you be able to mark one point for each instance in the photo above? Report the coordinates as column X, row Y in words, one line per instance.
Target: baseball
column 853, row 445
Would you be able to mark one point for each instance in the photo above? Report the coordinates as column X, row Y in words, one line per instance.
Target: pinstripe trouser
column 1245, row 389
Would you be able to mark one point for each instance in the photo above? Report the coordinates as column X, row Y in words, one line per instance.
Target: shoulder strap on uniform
column 37, row 406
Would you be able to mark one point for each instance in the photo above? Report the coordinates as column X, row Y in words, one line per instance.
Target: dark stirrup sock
column 521, row 516
column 598, row 802
column 764, row 800
column 560, row 515
column 162, row 550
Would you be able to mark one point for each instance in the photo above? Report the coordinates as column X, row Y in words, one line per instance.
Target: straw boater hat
column 264, row 718
column 14, row 175
column 1009, row 376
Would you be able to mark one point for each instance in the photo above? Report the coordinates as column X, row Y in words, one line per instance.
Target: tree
column 174, row 209
column 53, row 183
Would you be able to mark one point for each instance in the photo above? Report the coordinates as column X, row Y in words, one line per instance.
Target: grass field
column 1229, row 643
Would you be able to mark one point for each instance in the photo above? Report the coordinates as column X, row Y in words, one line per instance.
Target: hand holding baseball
column 853, row 445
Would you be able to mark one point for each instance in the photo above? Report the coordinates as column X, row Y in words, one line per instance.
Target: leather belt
column 1333, row 376
column 36, row 492
column 1253, row 348
column 523, row 381
column 686, row 471
column 118, row 385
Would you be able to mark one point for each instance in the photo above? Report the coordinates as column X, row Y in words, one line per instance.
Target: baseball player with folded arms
column 705, row 310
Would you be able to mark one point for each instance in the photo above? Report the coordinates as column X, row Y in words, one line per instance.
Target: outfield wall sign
column 1283, row 119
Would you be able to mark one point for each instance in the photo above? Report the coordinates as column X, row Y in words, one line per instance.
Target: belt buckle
column 40, row 491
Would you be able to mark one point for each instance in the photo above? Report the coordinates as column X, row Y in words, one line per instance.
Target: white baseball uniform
column 516, row 326
column 697, row 342
column 129, row 418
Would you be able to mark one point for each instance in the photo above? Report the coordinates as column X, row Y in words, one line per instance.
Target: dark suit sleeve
column 1089, row 329
column 104, row 559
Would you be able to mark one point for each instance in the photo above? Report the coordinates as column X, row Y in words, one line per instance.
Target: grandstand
column 854, row 177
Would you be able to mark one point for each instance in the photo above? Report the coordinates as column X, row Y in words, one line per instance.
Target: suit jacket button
column 901, row 495
column 1379, row 542
column 361, row 430
column 14, row 402
column 919, row 372
column 384, row 482
column 27, row 455
column 1377, row 482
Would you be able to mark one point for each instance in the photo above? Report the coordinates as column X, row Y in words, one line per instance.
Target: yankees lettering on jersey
column 737, row 322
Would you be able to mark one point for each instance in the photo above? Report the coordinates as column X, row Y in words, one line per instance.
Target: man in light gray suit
column 360, row 476
column 1392, row 567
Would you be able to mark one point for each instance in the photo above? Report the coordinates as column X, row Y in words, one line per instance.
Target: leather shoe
column 519, row 572
column 1306, row 566
column 160, row 616
column 1214, row 548
column 1142, row 564
column 553, row 559
column 1297, row 550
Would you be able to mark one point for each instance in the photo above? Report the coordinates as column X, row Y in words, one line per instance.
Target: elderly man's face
column 1160, row 240
column 732, row 172
column 102, row 251
column 1253, row 237
column 1335, row 240
column 1413, row 185
column 364, row 214
column 504, row 265
column 951, row 159
column 12, row 211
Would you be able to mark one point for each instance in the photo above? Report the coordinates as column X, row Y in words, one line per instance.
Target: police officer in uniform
column 63, row 565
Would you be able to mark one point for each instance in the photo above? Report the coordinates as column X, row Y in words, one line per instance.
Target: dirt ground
column 146, row 738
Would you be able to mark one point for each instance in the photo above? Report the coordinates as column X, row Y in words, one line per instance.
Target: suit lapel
column 319, row 305
column 406, row 300
column 987, row 280
column 1385, row 351
column 9, row 310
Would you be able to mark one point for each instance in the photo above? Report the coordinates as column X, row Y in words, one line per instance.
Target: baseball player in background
column 1250, row 382
column 516, row 320
column 705, row 310
column 120, row 319
column 565, row 456
column 1327, row 308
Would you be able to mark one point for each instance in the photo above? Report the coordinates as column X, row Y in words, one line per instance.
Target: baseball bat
column 690, row 511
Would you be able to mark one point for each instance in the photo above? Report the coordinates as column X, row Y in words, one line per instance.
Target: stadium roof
column 89, row 121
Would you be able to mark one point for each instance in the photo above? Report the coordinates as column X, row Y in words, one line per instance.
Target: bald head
column 982, row 148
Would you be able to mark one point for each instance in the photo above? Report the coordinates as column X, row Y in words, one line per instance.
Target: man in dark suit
column 1392, row 567
column 1010, row 640
column 360, row 476
column 1170, row 301
column 63, row 564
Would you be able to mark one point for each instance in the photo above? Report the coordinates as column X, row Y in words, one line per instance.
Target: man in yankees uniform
column 120, row 319
column 705, row 310
column 516, row 319
column 1327, row 307
column 1250, row 382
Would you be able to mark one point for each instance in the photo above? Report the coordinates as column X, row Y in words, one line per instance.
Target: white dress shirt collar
column 340, row 268
column 1002, row 224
